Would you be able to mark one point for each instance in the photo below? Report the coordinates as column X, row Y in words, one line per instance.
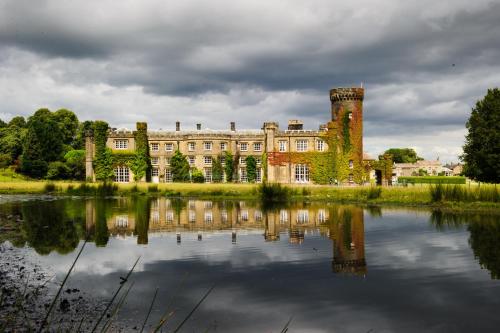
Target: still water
column 327, row 267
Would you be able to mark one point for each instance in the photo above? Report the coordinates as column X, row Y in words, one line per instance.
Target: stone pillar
column 89, row 156
column 270, row 129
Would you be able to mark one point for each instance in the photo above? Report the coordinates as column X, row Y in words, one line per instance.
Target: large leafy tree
column 42, row 144
column 68, row 125
column 482, row 143
column 11, row 141
column 180, row 167
column 403, row 155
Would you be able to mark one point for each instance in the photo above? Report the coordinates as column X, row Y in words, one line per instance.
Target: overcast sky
column 423, row 63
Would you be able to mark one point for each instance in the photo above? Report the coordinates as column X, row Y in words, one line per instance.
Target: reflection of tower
column 89, row 215
column 271, row 233
column 348, row 235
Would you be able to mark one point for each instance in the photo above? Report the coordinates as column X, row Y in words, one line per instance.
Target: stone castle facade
column 292, row 155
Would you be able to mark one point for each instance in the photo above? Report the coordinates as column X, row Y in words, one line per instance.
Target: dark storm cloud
column 196, row 50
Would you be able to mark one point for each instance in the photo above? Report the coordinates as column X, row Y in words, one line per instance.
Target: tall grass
column 374, row 192
column 462, row 193
column 274, row 192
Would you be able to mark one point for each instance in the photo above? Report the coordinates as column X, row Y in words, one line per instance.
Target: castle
column 331, row 154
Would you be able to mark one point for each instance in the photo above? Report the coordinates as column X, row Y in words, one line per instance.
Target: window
column 121, row 221
column 349, row 115
column 258, row 216
column 169, row 146
column 207, row 160
column 258, row 175
column 191, row 146
column 301, row 145
column 155, row 160
column 283, row 216
column 351, row 164
column 121, row 144
column 257, row 146
column 321, row 216
column 191, row 204
column 155, row 146
column 192, row 216
column 223, row 146
column 208, row 204
column 223, row 216
column 301, row 173
column 155, row 217
column 191, row 160
column 122, row 174
column 168, row 175
column 223, row 160
column 351, row 178
column 208, row 175
column 154, row 172
column 320, row 145
column 167, row 160
column 243, row 146
column 282, row 146
column 207, row 145
column 302, row 216
column 244, row 215
column 243, row 160
column 258, row 160
column 243, row 175
column 208, row 217
column 169, row 216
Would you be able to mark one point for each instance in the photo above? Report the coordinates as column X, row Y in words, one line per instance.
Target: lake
column 322, row 267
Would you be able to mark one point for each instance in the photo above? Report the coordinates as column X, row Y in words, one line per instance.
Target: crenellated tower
column 347, row 119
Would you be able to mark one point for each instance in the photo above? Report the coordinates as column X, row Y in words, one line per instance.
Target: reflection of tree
column 142, row 206
column 485, row 242
column 48, row 227
column 484, row 236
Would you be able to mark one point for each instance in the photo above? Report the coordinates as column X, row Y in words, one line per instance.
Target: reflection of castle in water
column 142, row 216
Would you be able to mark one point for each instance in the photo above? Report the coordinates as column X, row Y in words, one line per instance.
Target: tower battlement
column 347, row 94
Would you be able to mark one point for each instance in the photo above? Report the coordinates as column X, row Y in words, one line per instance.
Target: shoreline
column 408, row 196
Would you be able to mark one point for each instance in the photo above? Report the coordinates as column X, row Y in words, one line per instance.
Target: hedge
column 431, row 180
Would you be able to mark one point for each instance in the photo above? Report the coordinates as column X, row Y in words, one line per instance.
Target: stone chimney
column 198, row 127
column 177, row 126
column 233, row 126
column 295, row 125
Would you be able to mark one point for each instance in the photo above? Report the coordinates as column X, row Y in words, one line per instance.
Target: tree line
column 45, row 145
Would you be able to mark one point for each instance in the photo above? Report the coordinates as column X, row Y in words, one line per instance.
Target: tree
column 217, row 170
column 481, row 155
column 180, row 167
column 403, row 155
column 197, row 176
column 75, row 161
column 2, row 123
column 18, row 121
column 228, row 166
column 42, row 144
column 251, row 164
column 58, row 170
column 68, row 124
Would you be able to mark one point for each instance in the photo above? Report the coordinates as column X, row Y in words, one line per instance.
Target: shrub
column 58, row 170
column 197, row 176
column 374, row 192
column 49, row 187
column 153, row 188
column 5, row 160
column 273, row 192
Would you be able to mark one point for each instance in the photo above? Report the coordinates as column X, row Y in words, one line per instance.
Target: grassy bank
column 482, row 196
